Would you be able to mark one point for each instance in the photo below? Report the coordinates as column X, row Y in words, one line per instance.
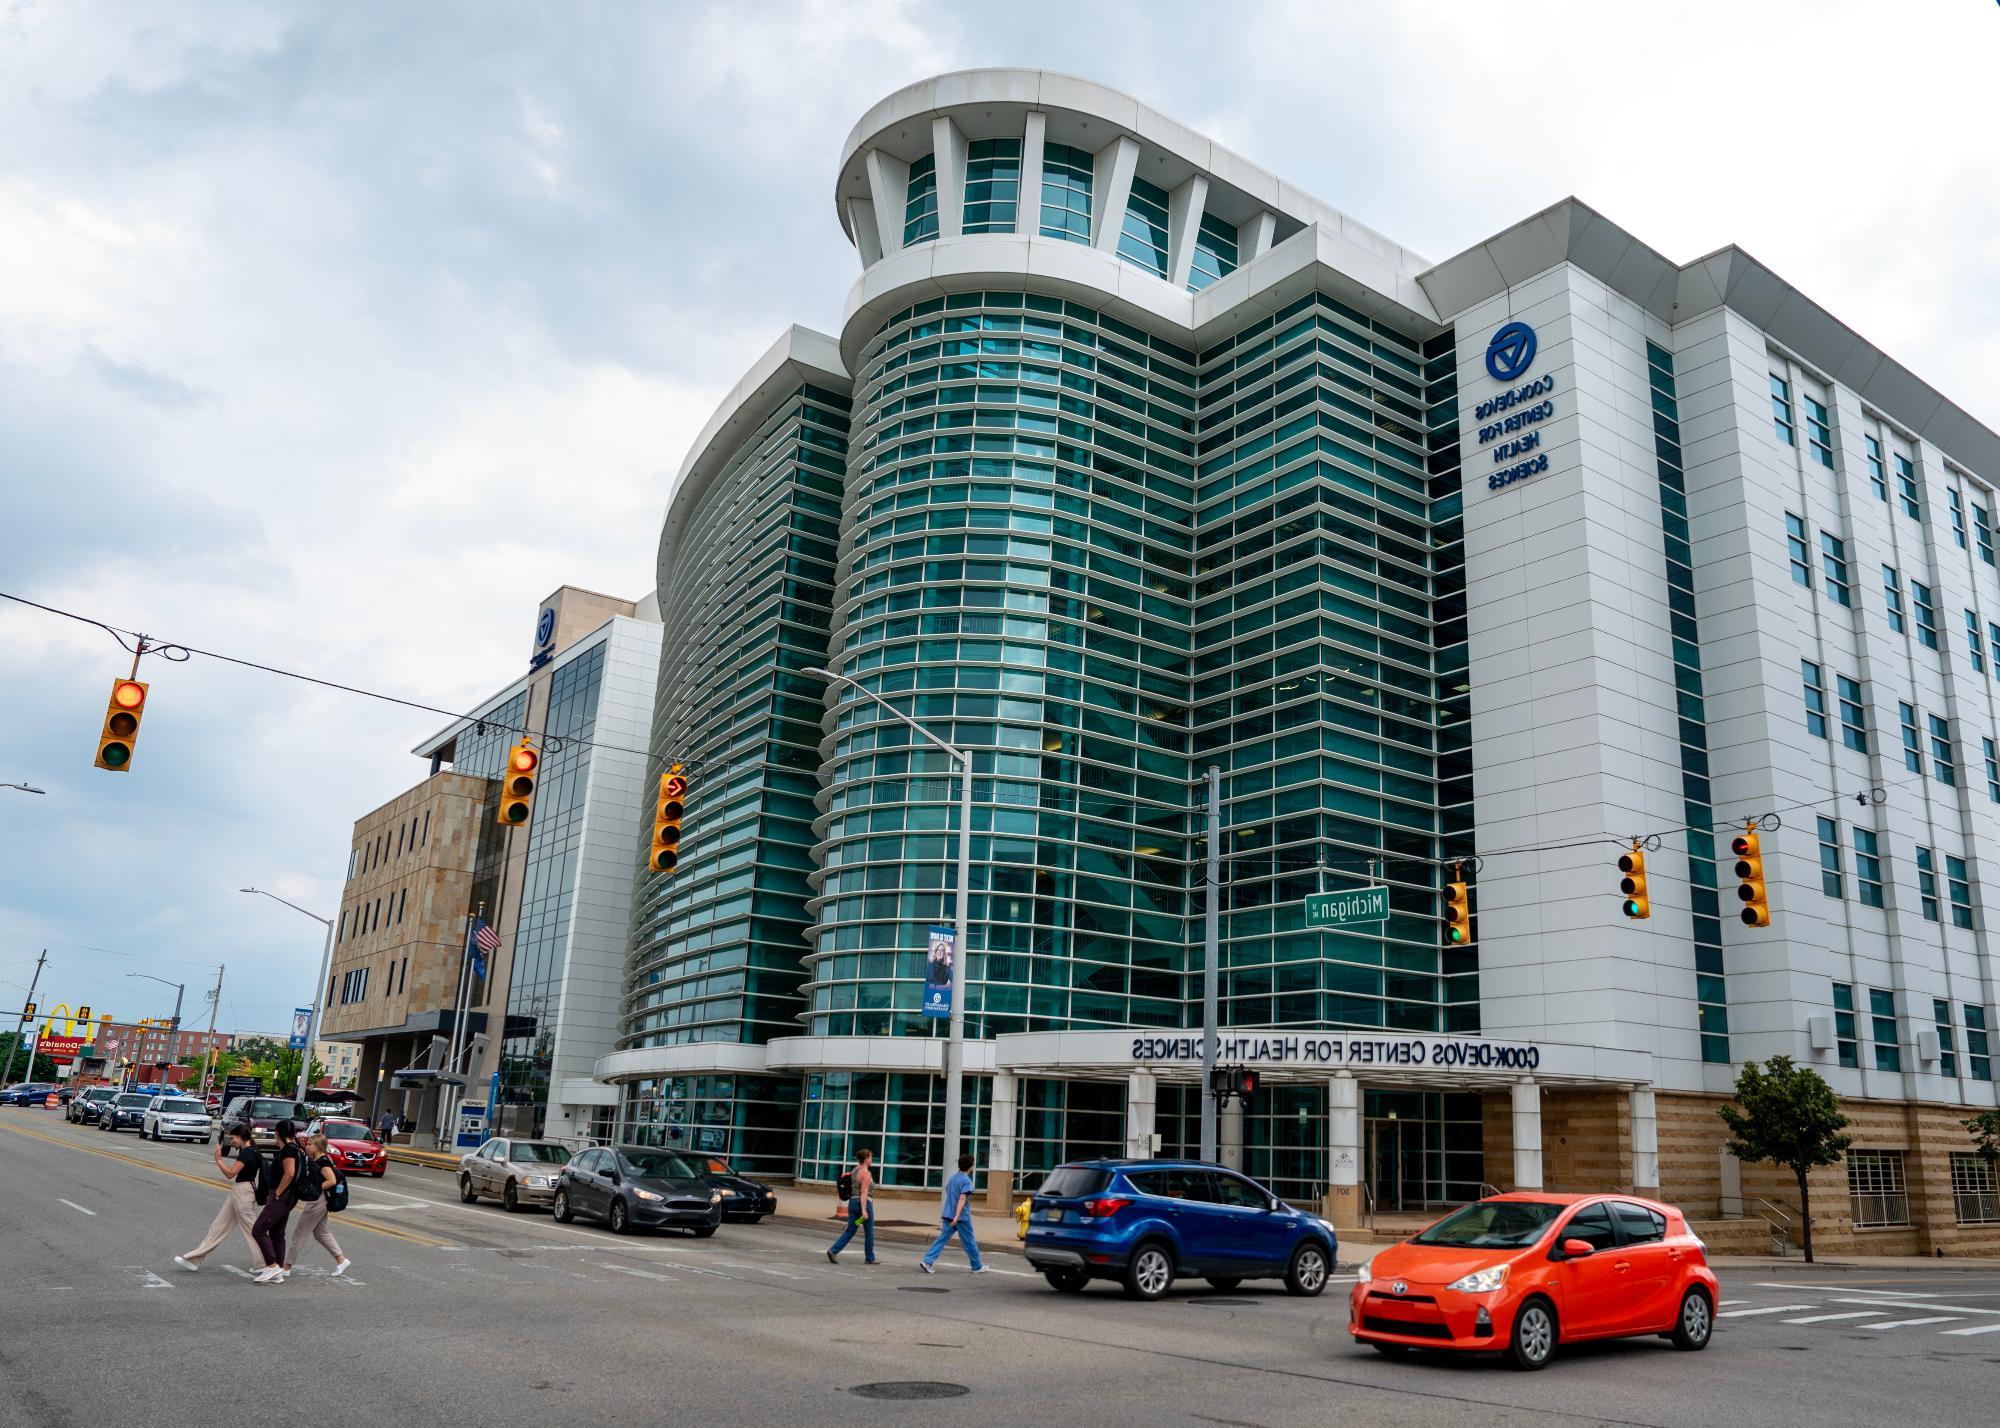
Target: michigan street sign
column 1340, row 909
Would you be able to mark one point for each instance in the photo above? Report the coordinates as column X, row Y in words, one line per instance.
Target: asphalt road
column 462, row 1315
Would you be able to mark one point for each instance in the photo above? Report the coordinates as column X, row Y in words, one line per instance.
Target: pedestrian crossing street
column 1969, row 1315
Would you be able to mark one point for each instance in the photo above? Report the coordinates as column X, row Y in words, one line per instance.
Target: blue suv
column 1144, row 1222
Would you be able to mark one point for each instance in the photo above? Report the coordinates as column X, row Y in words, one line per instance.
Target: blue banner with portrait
column 937, row 972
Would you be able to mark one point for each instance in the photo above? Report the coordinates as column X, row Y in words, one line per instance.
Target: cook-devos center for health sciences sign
column 1283, row 1049
column 1518, row 412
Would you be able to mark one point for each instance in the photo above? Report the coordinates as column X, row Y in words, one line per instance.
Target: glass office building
column 1129, row 464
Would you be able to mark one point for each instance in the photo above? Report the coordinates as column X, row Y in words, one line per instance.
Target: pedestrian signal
column 1633, row 883
column 121, row 725
column 667, row 811
column 517, row 784
column 1750, row 878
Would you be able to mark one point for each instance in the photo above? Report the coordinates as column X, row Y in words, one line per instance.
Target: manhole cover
column 921, row 1289
column 909, row 1389
column 1220, row 1303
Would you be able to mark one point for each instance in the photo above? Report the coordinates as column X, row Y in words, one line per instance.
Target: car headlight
column 1483, row 1281
column 647, row 1195
column 715, row 1199
column 729, row 1194
column 538, row 1181
column 1361, row 1273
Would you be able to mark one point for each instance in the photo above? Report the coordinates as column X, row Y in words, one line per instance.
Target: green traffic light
column 116, row 755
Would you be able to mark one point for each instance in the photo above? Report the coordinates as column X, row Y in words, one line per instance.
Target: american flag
column 485, row 941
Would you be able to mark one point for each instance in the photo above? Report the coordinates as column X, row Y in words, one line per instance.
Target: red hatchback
column 1520, row 1273
column 352, row 1145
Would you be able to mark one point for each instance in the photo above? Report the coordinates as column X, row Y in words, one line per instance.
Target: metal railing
column 1774, row 1214
column 1486, row 1190
column 1367, row 1206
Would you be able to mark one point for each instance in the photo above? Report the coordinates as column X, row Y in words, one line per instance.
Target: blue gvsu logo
column 1510, row 351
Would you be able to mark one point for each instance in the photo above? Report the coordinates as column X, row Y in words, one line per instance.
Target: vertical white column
column 1253, row 239
column 1142, row 1096
column 1229, row 1135
column 1645, row 1143
column 1343, row 1150
column 1184, row 210
column 1028, row 211
column 948, row 152
column 889, row 189
column 1000, row 1144
column 1527, row 1135
column 867, row 237
column 1110, row 190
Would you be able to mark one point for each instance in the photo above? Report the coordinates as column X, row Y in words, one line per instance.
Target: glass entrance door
column 1396, row 1164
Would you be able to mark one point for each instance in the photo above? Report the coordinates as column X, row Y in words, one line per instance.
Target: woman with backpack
column 857, row 1188
column 283, row 1174
column 240, row 1166
column 328, row 1191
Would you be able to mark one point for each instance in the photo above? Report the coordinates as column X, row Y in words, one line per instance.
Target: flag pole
column 448, row 1125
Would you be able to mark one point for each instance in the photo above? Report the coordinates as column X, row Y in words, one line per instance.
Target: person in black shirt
column 240, row 1165
column 288, row 1165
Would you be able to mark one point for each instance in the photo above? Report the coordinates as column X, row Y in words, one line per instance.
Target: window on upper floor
column 1982, row 531
column 1907, row 490
column 1955, row 499
column 1214, row 253
column 1958, row 888
column 1927, row 892
column 1829, row 858
column 1925, row 604
column 1913, row 752
column 992, row 185
column 1992, row 769
column 1882, row 1030
column 1972, row 647
column 1892, row 594
column 1797, row 551
column 1947, row 1041
column 1878, row 473
column 1868, row 867
column 1143, row 240
column 1944, row 768
column 1846, row 1037
column 1066, row 179
column 1833, row 559
column 1978, row 1050
column 1819, row 431
column 1853, row 713
column 1781, row 411
column 1815, row 682
column 920, row 202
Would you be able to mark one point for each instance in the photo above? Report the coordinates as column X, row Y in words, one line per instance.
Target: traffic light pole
column 21, row 1027
column 1210, row 938
column 208, row 1065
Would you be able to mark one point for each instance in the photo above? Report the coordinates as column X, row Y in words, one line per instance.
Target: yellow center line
column 393, row 1233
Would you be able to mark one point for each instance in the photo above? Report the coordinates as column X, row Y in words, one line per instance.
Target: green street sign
column 1343, row 909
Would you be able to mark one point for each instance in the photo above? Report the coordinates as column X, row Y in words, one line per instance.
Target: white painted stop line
column 1829, row 1318
column 1773, row 1309
column 78, row 1208
column 1993, row 1328
column 1910, row 1323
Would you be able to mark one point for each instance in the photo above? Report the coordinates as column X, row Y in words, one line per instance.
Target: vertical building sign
column 937, row 972
column 301, row 1023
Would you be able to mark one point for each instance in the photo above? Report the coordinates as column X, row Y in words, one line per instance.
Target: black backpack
column 844, row 1186
column 305, row 1180
column 336, row 1195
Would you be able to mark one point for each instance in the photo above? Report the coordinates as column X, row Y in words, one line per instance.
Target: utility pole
column 208, row 1065
column 1210, row 938
column 21, row 1027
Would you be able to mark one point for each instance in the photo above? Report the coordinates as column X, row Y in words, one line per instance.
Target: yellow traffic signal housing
column 1750, row 878
column 517, row 784
column 121, row 725
column 667, row 811
column 1633, row 884
column 1457, row 913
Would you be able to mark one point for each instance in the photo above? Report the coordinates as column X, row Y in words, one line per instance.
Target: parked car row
column 33, row 1093
column 628, row 1187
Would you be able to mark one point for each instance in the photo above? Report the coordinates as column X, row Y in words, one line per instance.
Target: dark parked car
column 89, row 1102
column 742, row 1197
column 262, row 1114
column 1145, row 1222
column 27, row 1093
column 125, row 1111
column 632, row 1186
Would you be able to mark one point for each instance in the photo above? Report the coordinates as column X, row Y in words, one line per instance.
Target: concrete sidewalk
column 898, row 1221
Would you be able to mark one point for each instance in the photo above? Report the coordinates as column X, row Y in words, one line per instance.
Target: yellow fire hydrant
column 1021, row 1220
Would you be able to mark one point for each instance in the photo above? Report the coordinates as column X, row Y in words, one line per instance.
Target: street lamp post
column 954, row 1047
column 174, row 1029
column 319, row 986
column 24, row 787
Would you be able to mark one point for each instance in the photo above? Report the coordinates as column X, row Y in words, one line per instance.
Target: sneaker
column 341, row 1268
column 270, row 1274
column 187, row 1264
column 925, row 1266
column 832, row 1258
column 980, row 1269
column 867, row 1262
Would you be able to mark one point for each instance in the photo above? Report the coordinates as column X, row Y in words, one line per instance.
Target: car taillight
column 1101, row 1209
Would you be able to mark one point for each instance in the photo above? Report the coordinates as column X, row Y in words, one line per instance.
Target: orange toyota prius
column 1518, row 1274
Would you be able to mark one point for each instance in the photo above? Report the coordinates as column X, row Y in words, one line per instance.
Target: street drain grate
column 1221, row 1303
column 923, row 1289
column 909, row 1389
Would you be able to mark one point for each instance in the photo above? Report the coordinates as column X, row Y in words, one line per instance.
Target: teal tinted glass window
column 1878, row 473
column 1781, row 410
column 1066, row 180
column 920, row 204
column 1845, row 1035
column 1882, row 1030
column 992, row 185
column 1214, row 253
column 1143, row 239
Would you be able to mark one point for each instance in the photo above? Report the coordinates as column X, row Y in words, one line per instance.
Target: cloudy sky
column 334, row 336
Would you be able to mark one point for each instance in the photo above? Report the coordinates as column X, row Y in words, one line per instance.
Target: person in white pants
column 311, row 1214
column 238, row 1165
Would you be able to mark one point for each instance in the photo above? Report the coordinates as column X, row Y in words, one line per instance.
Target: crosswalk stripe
column 1828, row 1318
column 1731, row 1303
column 1772, row 1309
column 1907, row 1323
column 1993, row 1328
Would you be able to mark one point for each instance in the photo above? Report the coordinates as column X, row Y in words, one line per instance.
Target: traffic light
column 1246, row 1082
column 1457, row 913
column 666, row 854
column 121, row 725
column 1633, row 883
column 28, row 1012
column 1237, row 1081
column 517, row 784
column 1750, row 878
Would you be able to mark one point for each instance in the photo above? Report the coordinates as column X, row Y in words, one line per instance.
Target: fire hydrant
column 1021, row 1220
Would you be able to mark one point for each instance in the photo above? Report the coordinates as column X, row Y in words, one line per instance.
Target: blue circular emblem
column 1510, row 352
column 545, row 628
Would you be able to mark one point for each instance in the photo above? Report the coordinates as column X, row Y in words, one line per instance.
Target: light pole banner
column 301, row 1024
column 937, row 972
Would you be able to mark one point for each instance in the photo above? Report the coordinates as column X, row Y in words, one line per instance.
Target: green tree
column 1985, row 1128
column 1789, row 1116
column 16, row 1046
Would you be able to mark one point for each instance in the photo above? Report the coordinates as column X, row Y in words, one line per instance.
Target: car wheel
column 1223, row 1282
column 621, row 1218
column 1150, row 1272
column 1306, row 1274
column 1066, row 1281
column 466, row 1193
column 561, row 1207
column 1533, row 1342
column 702, row 1232
column 511, row 1198
column 1696, row 1322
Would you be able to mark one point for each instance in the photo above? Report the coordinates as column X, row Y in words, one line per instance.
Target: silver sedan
column 514, row 1172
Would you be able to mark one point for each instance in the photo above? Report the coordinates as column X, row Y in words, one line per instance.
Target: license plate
column 1053, row 1216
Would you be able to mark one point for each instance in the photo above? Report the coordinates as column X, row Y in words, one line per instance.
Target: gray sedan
column 514, row 1172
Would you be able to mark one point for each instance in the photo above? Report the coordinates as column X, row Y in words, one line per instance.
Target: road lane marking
column 1773, row 1309
column 1828, row 1318
column 1925, row 1304
column 1730, row 1303
column 1993, row 1328
column 239, row 1270
column 74, row 1206
column 1907, row 1323
column 636, row 1272
column 208, row 1181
